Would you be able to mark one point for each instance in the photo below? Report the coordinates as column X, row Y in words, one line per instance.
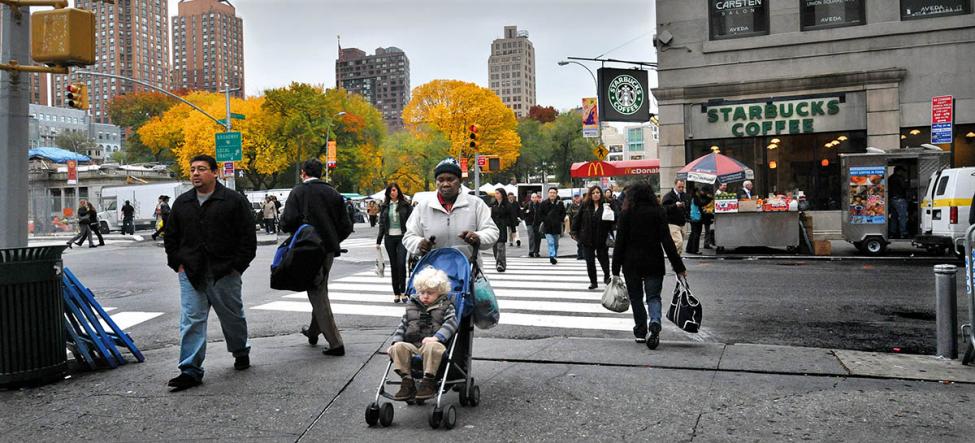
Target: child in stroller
column 428, row 323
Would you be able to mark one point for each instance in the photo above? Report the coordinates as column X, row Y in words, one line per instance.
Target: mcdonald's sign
column 616, row 168
column 596, row 169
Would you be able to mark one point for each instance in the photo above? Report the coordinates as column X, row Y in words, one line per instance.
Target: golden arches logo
column 596, row 169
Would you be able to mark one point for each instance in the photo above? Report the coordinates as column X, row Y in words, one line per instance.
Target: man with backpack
column 318, row 204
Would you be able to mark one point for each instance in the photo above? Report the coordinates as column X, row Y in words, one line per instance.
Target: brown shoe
column 407, row 389
column 426, row 389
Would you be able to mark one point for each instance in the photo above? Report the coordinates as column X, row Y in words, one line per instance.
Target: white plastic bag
column 615, row 297
column 380, row 262
column 608, row 214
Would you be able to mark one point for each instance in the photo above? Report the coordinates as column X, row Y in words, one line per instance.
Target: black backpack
column 297, row 264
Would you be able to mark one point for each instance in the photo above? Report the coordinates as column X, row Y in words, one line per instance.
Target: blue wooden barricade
column 87, row 339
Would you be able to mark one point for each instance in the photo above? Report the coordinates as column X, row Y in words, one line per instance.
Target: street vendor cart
column 865, row 193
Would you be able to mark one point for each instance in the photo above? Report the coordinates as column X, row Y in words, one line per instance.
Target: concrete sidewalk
column 549, row 389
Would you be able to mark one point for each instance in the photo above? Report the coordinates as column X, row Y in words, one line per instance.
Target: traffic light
column 77, row 96
column 63, row 37
column 473, row 143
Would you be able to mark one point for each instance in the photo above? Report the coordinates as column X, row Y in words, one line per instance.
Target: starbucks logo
column 626, row 94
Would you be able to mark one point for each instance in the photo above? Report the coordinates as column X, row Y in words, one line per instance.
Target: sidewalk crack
column 707, row 401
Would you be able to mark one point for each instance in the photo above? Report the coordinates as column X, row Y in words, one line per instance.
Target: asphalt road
column 882, row 305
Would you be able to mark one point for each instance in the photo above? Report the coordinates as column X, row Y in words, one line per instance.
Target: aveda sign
column 792, row 117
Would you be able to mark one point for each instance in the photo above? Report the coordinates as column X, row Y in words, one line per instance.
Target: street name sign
column 228, row 147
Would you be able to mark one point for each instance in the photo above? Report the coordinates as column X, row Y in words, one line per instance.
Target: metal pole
column 599, row 127
column 150, row 86
column 327, row 131
column 946, row 310
column 14, row 129
column 967, row 332
column 477, row 176
column 230, row 182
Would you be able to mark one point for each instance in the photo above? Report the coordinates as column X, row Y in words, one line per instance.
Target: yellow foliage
column 451, row 106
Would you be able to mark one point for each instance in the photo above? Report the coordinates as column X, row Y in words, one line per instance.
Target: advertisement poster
column 738, row 18
column 72, row 172
column 590, row 118
column 331, row 154
column 912, row 9
column 726, row 206
column 868, row 195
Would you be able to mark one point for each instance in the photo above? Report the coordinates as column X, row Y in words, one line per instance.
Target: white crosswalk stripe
column 532, row 292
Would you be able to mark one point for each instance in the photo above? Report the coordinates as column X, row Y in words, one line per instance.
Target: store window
column 634, row 138
column 788, row 163
column 962, row 148
column 921, row 9
column 821, row 14
column 738, row 18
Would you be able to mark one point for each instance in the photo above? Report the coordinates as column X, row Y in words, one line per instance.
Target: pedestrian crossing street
column 531, row 292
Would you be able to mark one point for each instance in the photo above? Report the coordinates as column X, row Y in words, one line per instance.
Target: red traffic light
column 72, row 89
column 473, row 129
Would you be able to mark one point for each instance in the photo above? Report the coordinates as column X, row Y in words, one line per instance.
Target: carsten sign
column 792, row 117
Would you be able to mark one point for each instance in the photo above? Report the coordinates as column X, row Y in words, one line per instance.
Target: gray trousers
column 500, row 255
column 322, row 320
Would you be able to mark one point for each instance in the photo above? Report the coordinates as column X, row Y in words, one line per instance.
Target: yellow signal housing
column 63, row 37
column 492, row 163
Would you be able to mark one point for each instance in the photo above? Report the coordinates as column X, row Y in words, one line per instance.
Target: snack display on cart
column 725, row 203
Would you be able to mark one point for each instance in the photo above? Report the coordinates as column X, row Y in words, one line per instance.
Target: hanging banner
column 72, row 172
column 331, row 154
column 623, row 95
column 590, row 117
column 463, row 167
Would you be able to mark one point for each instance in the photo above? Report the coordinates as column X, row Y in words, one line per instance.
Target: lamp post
column 327, row 132
column 599, row 127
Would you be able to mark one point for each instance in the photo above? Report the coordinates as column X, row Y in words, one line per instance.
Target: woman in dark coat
column 701, row 199
column 83, row 224
column 93, row 223
column 504, row 218
column 393, row 215
column 642, row 236
column 591, row 231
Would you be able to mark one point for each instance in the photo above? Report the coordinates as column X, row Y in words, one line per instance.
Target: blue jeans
column 553, row 245
column 224, row 296
column 637, row 286
column 900, row 207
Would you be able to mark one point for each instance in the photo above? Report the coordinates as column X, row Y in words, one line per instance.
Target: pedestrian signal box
column 492, row 163
column 63, row 37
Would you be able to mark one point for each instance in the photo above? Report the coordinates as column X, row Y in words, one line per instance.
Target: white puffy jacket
column 429, row 218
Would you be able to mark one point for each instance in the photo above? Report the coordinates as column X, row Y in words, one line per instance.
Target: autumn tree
column 130, row 112
column 567, row 145
column 451, row 106
column 542, row 114
column 409, row 158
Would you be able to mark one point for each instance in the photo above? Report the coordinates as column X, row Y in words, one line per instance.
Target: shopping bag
column 685, row 310
column 695, row 212
column 611, row 240
column 608, row 214
column 486, row 311
column 380, row 262
column 615, row 297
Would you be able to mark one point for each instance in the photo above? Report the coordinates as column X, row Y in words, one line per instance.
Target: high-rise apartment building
column 511, row 70
column 208, row 47
column 382, row 78
column 132, row 40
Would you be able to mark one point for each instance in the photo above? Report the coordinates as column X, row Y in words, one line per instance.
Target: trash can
column 32, row 347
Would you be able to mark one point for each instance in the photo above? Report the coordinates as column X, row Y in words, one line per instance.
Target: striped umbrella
column 715, row 167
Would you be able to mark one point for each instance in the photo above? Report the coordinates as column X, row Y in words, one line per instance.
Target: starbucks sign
column 623, row 95
column 765, row 118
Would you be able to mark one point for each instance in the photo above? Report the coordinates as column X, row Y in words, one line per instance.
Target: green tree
column 74, row 141
column 409, row 158
column 567, row 145
column 303, row 119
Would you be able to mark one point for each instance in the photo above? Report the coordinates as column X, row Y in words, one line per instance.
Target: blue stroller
column 455, row 369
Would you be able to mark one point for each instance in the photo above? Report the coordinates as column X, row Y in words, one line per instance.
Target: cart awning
column 614, row 169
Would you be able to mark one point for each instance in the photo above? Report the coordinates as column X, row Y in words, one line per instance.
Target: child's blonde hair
column 430, row 278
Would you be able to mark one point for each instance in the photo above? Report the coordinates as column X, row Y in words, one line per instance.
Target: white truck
column 945, row 210
column 143, row 199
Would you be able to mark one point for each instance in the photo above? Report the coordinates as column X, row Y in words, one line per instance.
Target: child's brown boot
column 426, row 388
column 406, row 390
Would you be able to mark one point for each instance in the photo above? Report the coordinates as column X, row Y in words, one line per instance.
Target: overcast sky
column 294, row 40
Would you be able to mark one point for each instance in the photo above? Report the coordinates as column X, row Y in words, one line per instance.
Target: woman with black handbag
column 642, row 236
column 504, row 218
column 591, row 227
column 393, row 215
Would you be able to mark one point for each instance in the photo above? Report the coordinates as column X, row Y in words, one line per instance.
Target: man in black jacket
column 532, row 222
column 128, row 215
column 320, row 205
column 678, row 207
column 551, row 214
column 210, row 241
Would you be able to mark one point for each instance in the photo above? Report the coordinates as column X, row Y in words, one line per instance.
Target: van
column 945, row 210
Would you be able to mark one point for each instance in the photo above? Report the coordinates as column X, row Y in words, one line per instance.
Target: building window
column 819, row 14
column 919, row 9
column 634, row 139
column 738, row 18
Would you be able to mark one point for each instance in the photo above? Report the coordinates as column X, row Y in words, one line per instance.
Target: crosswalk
column 531, row 292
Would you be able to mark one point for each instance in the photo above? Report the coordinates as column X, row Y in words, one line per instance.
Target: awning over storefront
column 614, row 169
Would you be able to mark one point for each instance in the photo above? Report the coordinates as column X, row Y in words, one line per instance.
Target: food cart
column 865, row 193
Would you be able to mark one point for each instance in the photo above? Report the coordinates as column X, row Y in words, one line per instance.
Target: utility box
column 63, row 37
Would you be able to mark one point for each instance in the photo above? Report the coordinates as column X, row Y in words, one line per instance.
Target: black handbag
column 685, row 309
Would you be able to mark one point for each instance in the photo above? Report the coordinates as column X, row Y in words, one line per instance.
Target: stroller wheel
column 386, row 414
column 372, row 414
column 464, row 400
column 450, row 417
column 436, row 417
column 475, row 398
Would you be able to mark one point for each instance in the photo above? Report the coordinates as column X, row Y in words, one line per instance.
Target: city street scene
column 497, row 220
